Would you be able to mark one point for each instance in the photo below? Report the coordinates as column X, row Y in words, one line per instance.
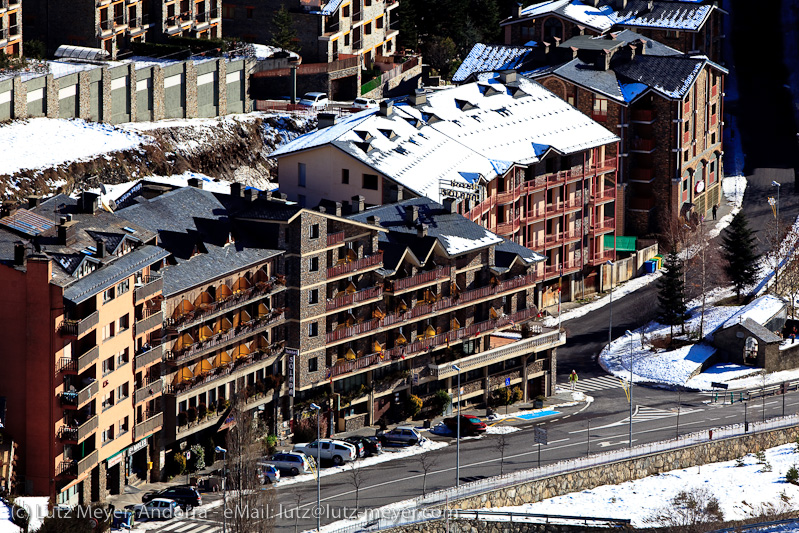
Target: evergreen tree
column 738, row 247
column 671, row 293
column 284, row 35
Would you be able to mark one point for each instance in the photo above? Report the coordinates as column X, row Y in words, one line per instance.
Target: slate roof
column 760, row 331
column 492, row 57
column 573, row 10
column 472, row 131
column 670, row 15
column 455, row 234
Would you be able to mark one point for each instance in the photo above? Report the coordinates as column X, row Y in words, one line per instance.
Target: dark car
column 370, row 445
column 359, row 447
column 186, row 497
column 470, row 425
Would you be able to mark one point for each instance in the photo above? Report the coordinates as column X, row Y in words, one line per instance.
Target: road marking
column 186, row 527
column 731, row 416
column 596, row 384
column 715, row 418
column 172, row 526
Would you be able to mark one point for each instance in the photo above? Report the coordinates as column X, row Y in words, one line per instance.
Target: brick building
column 690, row 26
column 76, row 291
column 666, row 107
column 11, row 27
column 114, row 25
column 530, row 167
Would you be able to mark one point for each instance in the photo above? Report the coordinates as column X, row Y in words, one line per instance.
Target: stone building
column 11, row 27
column 113, row 26
column 690, row 26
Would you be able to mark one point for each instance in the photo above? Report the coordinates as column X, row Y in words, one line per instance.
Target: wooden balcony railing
column 608, row 224
column 642, row 145
column 643, row 115
column 80, row 433
column 345, row 300
column 359, row 264
column 335, row 238
column 419, row 279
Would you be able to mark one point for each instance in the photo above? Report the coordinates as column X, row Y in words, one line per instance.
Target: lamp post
column 610, row 327
column 457, row 369
column 631, row 387
column 318, row 477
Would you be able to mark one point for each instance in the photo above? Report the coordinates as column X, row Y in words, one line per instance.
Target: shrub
column 518, row 394
column 270, row 444
column 502, row 396
column 177, row 465
column 222, row 405
column 182, row 418
column 740, row 462
column 202, row 411
column 761, row 457
column 191, row 414
column 197, row 458
column 792, row 475
column 414, row 405
column 211, row 408
column 766, row 467
column 439, row 402
column 305, row 429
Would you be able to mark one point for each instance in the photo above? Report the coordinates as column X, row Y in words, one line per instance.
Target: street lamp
column 631, row 387
column 610, row 327
column 318, row 477
column 223, row 451
column 457, row 369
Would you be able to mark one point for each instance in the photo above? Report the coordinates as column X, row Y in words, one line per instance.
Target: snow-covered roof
column 461, row 134
column 490, row 57
column 574, row 10
column 760, row 310
column 682, row 16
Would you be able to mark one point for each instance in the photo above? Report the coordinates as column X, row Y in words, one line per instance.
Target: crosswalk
column 190, row 526
column 644, row 413
column 595, row 384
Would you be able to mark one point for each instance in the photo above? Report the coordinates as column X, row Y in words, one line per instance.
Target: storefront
column 138, row 463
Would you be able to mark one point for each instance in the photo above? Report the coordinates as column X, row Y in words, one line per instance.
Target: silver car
column 402, row 435
column 293, row 463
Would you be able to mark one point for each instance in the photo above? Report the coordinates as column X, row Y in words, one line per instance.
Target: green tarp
column 623, row 244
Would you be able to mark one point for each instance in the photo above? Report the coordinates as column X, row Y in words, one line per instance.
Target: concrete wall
column 132, row 92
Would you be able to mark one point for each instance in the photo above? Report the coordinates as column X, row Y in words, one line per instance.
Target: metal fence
column 408, row 511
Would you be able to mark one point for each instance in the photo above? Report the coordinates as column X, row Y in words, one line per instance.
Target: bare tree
column 689, row 512
column 427, row 461
column 297, row 496
column 502, row 444
column 356, row 480
column 704, row 264
column 247, row 505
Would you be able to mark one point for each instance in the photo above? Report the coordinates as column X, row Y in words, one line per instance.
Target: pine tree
column 284, row 35
column 738, row 245
column 671, row 293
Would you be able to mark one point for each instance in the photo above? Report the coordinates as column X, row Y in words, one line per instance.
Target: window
column 313, row 232
column 108, row 295
column 313, row 329
column 108, row 434
column 108, row 366
column 123, row 287
column 600, row 108
column 379, row 22
column 123, row 391
column 671, row 34
column 346, row 39
column 345, row 11
column 685, row 155
column 301, row 174
column 367, row 29
column 313, row 264
column 123, row 357
column 313, row 364
column 124, row 425
column 345, row 176
column 313, row 296
column 124, row 322
column 250, row 12
column 109, row 331
column 228, row 11
column 108, row 400
column 370, row 181
column 687, row 125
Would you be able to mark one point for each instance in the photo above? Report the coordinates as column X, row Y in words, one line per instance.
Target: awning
column 623, row 244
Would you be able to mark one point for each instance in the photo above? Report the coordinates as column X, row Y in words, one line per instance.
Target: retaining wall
column 475, row 526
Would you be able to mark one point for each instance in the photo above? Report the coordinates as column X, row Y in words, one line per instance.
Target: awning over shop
column 623, row 244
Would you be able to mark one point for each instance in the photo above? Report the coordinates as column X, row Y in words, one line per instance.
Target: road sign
column 292, row 354
column 719, row 385
column 540, row 435
column 507, row 382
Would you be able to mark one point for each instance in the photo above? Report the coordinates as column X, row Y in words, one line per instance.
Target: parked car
column 156, row 509
column 293, row 463
column 315, row 100
column 268, row 473
column 470, row 425
column 187, row 497
column 364, row 103
column 371, row 445
column 358, row 446
column 122, row 519
column 337, row 451
column 402, row 435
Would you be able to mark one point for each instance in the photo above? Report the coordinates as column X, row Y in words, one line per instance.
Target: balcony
column 556, row 239
column 347, row 300
column 353, row 266
column 599, row 115
column 643, row 175
column 88, row 392
column 714, row 90
column 601, row 196
column 335, row 238
column 641, row 204
column 151, row 285
column 561, row 269
column 88, row 359
column 154, row 354
column 686, row 137
column 418, row 280
column 517, row 349
column 423, row 345
column 152, row 319
column 74, row 469
column 604, row 226
column 643, row 115
column 642, row 145
column 148, row 426
column 602, row 257
column 148, row 391
column 76, row 328
column 80, row 433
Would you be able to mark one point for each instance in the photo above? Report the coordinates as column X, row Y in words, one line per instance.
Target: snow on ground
column 389, row 454
column 501, row 430
column 45, row 142
column 37, row 507
column 6, row 525
column 743, row 491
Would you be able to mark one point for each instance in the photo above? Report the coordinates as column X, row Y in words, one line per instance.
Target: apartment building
column 690, row 26
column 326, row 31
column 11, row 27
column 79, row 303
column 529, row 167
column 113, row 25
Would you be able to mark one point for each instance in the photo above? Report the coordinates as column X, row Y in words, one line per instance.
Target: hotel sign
column 292, row 354
column 458, row 189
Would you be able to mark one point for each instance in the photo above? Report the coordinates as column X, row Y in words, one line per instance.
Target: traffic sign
column 507, row 382
column 540, row 435
column 719, row 385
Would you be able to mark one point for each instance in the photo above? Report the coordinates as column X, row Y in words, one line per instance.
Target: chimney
column 88, row 202
column 251, row 194
column 321, row 209
column 236, row 190
column 337, row 209
column 374, row 220
column 386, row 108
column 33, row 201
column 19, row 253
column 450, row 205
column 517, row 11
column 396, row 193
column 507, row 76
column 100, row 245
column 421, row 230
column 418, row 97
column 267, row 195
column 650, row 5
column 283, row 196
column 325, row 120
column 602, row 61
column 66, row 233
column 196, row 183
column 641, row 44
column 357, row 204
column 411, row 214
column 621, row 4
